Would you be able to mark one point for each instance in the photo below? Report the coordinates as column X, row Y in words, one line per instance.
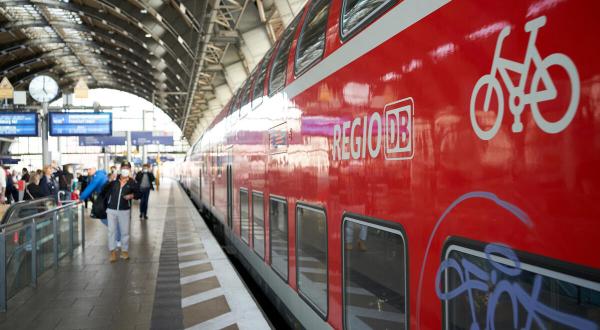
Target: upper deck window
column 279, row 67
column 259, row 84
column 245, row 97
column 311, row 43
column 356, row 14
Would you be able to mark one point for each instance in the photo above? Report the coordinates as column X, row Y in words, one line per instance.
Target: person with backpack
column 97, row 181
column 119, row 194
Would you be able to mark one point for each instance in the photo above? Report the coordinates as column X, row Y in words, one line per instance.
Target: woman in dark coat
column 33, row 191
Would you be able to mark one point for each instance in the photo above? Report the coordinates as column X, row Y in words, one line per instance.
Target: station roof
column 189, row 55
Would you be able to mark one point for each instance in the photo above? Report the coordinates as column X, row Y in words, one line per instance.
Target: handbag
column 100, row 204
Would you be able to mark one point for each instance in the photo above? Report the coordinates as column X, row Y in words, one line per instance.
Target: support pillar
column 44, row 122
column 129, row 146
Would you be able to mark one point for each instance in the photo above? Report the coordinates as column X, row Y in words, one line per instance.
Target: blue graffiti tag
column 472, row 278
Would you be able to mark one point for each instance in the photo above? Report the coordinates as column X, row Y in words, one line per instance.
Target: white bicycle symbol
column 517, row 96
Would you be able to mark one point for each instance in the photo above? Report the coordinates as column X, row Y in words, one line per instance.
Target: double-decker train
column 425, row 164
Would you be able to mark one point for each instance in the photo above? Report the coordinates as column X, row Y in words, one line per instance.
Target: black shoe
column 141, row 216
column 145, row 217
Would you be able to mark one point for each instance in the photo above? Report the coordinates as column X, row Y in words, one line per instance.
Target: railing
column 35, row 243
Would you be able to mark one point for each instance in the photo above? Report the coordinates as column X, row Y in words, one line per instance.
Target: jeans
column 362, row 235
column 118, row 219
column 105, row 222
column 144, row 201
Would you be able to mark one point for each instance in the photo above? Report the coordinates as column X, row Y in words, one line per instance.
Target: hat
column 125, row 164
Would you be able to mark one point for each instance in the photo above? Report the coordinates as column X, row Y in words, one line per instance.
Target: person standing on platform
column 2, row 185
column 47, row 183
column 145, row 180
column 32, row 190
column 63, row 183
column 97, row 180
column 84, row 179
column 11, row 188
column 120, row 193
column 25, row 175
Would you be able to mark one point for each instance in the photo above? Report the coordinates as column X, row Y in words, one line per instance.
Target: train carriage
column 417, row 164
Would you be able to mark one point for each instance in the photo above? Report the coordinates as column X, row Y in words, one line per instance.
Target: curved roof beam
column 119, row 34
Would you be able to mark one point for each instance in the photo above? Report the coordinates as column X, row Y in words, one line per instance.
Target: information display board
column 80, row 123
column 142, row 138
column 18, row 124
column 119, row 138
column 162, row 138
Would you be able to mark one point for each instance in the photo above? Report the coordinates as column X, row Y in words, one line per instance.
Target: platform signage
column 163, row 138
column 117, row 139
column 6, row 89
column 18, row 124
column 80, row 123
column 141, row 138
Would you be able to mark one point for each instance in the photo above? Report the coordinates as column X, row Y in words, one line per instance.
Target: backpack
column 101, row 203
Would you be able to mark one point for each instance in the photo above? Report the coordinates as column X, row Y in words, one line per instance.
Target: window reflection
column 258, row 224
column 278, row 218
column 374, row 276
column 312, row 256
column 312, row 38
column 244, row 215
column 357, row 13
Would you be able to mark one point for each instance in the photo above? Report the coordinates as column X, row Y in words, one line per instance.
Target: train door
column 229, row 187
column 199, row 171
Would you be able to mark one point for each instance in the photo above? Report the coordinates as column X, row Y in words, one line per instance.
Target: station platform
column 177, row 278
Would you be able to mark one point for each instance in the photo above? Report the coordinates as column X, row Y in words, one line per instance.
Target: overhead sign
column 117, row 139
column 81, row 89
column 80, row 123
column 18, row 124
column 141, row 138
column 20, row 97
column 164, row 138
column 9, row 161
column 6, row 89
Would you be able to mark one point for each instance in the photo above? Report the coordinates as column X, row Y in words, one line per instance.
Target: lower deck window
column 244, row 215
column 311, row 240
column 374, row 276
column 278, row 227
column 492, row 287
column 258, row 224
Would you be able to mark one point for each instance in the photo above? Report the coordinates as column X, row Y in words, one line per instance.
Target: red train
column 417, row 164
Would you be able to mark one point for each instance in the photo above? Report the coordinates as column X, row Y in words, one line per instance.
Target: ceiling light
column 143, row 11
column 148, row 35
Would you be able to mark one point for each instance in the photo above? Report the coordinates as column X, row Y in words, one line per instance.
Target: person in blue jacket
column 97, row 180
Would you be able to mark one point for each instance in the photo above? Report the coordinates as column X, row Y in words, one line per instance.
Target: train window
column 311, row 250
column 245, row 96
column 278, row 229
column 279, row 66
column 375, row 280
column 258, row 223
column 494, row 284
column 311, row 43
column 258, row 89
column 244, row 215
column 356, row 14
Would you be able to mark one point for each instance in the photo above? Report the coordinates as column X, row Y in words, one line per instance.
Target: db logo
column 390, row 133
column 398, row 133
